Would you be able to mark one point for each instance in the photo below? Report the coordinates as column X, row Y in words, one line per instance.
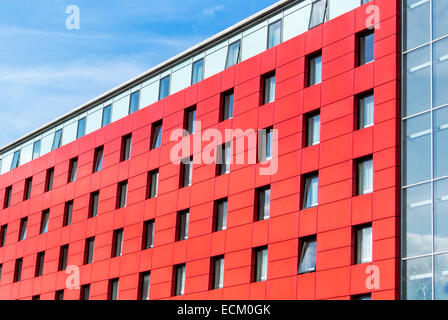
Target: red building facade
column 333, row 222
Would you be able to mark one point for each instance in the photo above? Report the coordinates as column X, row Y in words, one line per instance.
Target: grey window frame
column 153, row 184
column 89, row 249
column 162, row 80
column 94, row 204
column 319, row 19
column 81, row 129
column 148, row 234
column 265, row 143
column 263, row 201
column 63, row 257
column 359, row 243
column 362, row 47
column 72, row 170
column 114, row 286
column 186, row 170
column 224, row 154
column 200, row 76
column 179, row 280
column 313, row 78
column 268, row 44
column 68, row 213
column 307, row 190
column 305, row 250
column 221, row 208
column 57, row 140
column 360, row 175
column 40, row 259
column 15, row 160
column 23, row 229
column 269, row 88
column 131, row 105
column 310, row 129
column 361, row 101
column 117, row 242
column 28, row 188
column 107, row 111
column 44, row 222
column 227, row 102
column 183, row 218
column 98, row 159
column 36, row 149
column 238, row 59
column 126, row 147
column 260, row 264
column 190, row 119
column 145, row 285
column 156, row 134
column 122, row 194
column 217, row 265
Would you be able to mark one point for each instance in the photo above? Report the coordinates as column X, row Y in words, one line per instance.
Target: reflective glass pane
column 417, row 23
column 164, row 90
column 36, row 149
column 418, row 279
column 15, row 160
column 439, row 18
column 441, row 215
column 133, row 103
column 441, row 277
column 274, row 34
column 366, row 46
column 233, row 54
column 441, row 142
column 57, row 140
column 198, row 71
column 366, row 111
column 317, row 13
column 308, row 256
column 81, row 128
column 440, row 72
column 106, row 116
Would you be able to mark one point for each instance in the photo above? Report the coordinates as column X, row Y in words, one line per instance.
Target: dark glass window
column 126, row 143
column 18, row 270
column 44, row 221
column 49, row 179
column 117, row 243
column 107, row 112
column 85, row 292
column 179, row 282
column 81, row 128
column 88, row 250
column 365, row 175
column 57, row 140
column 27, row 190
column 182, row 225
column 145, row 278
column 94, row 201
column 269, row 88
column 227, row 106
column 220, row 214
column 134, row 101
column 186, row 172
column 98, row 159
column 15, row 160
column 366, row 47
column 265, row 140
column 153, row 183
column 260, row 264
column 315, row 69
column 224, row 156
column 164, row 90
column 3, row 231
column 218, row 272
column 23, row 229
column 311, row 189
column 307, row 261
column 190, row 119
column 73, row 169
column 113, row 289
column 59, row 295
column 148, row 234
column 68, row 213
column 312, row 129
column 263, row 202
column 7, row 201
column 365, row 110
column 156, row 135
column 198, row 71
column 122, row 194
column 363, row 249
column 63, row 257
column 39, row 264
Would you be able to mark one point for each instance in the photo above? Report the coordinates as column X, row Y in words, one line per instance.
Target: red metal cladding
column 332, row 221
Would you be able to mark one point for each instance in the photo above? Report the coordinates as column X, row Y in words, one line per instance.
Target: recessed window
column 190, row 119
column 311, row 188
column 18, row 269
column 153, row 183
column 312, row 129
column 263, row 203
column 36, row 297
column 365, row 110
column 363, row 244
column 156, row 134
column 198, row 71
column 88, row 250
column 23, row 228
column 164, row 90
column 179, row 280
column 106, row 118
column 145, row 279
column 3, row 231
column 122, row 194
column 126, row 143
column 84, row 292
column 59, row 295
column 365, row 1
column 220, row 215
column 365, row 176
column 217, row 272
column 49, row 179
column 63, row 257
column 93, row 205
column 72, row 170
column 39, row 264
column 44, row 221
column 186, row 172
column 265, row 140
column 260, row 256
column 98, row 159
column 81, row 128
column 1, row 269
column 366, row 296
column 68, row 213
column 307, row 261
column 57, row 140
column 36, row 149
column 274, row 34
column 227, row 106
column 15, row 160
column 8, row 194
column 318, row 12
column 148, row 234
column 117, row 243
column 224, row 156
column 27, row 190
column 268, row 88
column 134, row 101
column 182, row 225
column 233, row 54
column 366, row 47
column 314, row 69
column 113, row 289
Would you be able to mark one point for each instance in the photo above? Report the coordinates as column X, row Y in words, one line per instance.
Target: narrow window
column 27, row 190
column 233, row 54
column 145, row 278
column 134, row 101
column 85, row 292
column 307, row 255
column 93, row 206
column 1, row 269
column 190, row 119
column 73, row 169
column 44, row 221
column 182, row 225
column 314, row 69
column 220, row 215
column 39, row 264
column 366, row 47
column 49, row 179
column 156, row 134
column 126, row 142
column 318, row 12
column 57, row 140
column 36, row 149
column 365, row 175
column 117, row 243
column 224, row 156
column 186, row 172
column 365, row 110
column 198, row 71
column 179, row 282
column 3, row 231
column 260, row 264
column 63, row 257
column 7, row 201
column 18, row 270
column 153, row 183
column 366, row 296
column 265, row 140
column 81, row 128
column 164, row 90
column 268, row 88
column 274, row 34
column 15, row 160
column 88, row 250
column 36, row 297
column 106, row 115
column 122, row 194
column 98, row 159
column 312, row 129
column 59, row 295
column 113, row 289
column 148, row 234
column 311, row 189
column 262, row 204
column 363, row 246
column 227, row 106
column 22, row 229
column 68, row 213
column 217, row 272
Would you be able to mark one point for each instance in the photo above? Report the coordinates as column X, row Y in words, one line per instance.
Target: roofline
column 157, row 69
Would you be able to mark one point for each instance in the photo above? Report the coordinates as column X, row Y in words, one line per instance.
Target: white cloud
column 211, row 11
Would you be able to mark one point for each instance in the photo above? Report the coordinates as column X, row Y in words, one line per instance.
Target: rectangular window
column 363, row 246
column 18, row 270
column 85, row 292
column 307, row 255
column 312, row 129
column 3, row 230
column 190, row 119
column 224, row 157
column 268, row 88
column 365, row 110
column 126, row 143
column 39, row 264
column 145, row 278
column 44, row 221
column 15, row 160
column 36, row 149
column 274, row 34
column 134, row 101
column 148, row 234
column 107, row 112
column 113, row 289
column 156, row 134
column 366, row 47
column 59, row 295
column 227, row 106
column 88, row 250
column 122, row 194
column 63, row 257
column 186, row 171
column 365, row 175
column 153, row 183
column 311, row 190
column 233, row 54
column 217, row 272
column 117, row 243
column 220, row 215
column 36, row 297
column 72, row 170
column 49, row 179
column 182, row 225
column 260, row 257
column 1, row 269
column 98, row 159
column 57, row 140
column 164, row 90
column 314, row 69
column 68, row 213
column 366, row 296
column 263, row 202
column 81, row 128
column 318, row 12
column 93, row 206
column 23, row 228
column 7, row 201
column 179, row 280
column 198, row 71
column 27, row 190
column 265, row 140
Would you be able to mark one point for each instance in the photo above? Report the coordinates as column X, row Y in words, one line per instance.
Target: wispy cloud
column 211, row 11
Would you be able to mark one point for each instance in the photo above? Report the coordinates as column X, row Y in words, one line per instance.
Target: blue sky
column 46, row 70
